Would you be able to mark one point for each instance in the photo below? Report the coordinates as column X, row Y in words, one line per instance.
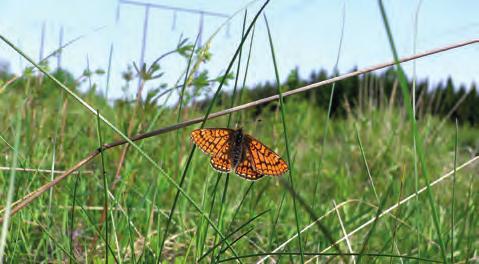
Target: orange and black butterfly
column 231, row 149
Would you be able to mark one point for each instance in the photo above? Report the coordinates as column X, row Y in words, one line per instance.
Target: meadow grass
column 342, row 178
column 169, row 205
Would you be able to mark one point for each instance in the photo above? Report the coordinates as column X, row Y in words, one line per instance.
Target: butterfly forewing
column 264, row 160
column 252, row 159
column 245, row 168
column 221, row 161
column 211, row 140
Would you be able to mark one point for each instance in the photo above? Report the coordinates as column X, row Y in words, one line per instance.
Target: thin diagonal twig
column 405, row 200
column 33, row 195
column 343, row 229
column 292, row 92
column 38, row 170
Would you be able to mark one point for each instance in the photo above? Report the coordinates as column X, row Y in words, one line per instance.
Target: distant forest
column 375, row 90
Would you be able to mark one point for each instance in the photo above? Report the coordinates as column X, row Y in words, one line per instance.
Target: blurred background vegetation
column 360, row 157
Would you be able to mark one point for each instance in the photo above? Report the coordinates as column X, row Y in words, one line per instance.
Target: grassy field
column 359, row 175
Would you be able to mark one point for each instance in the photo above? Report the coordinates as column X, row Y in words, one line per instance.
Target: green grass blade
column 240, row 96
column 236, row 211
column 366, row 166
column 98, row 232
column 238, row 121
column 11, row 189
column 285, row 133
column 141, row 151
column 130, row 237
column 273, row 235
column 72, row 214
column 330, row 104
column 373, row 227
column 57, row 244
column 208, row 111
column 105, row 186
column 454, row 191
column 228, row 124
column 322, row 228
column 416, row 174
column 108, row 72
column 178, row 118
column 330, row 255
column 222, row 242
column 407, row 99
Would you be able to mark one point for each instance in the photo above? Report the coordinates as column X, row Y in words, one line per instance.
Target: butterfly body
column 237, row 142
column 233, row 150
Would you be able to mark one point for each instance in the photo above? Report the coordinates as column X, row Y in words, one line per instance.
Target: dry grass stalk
column 20, row 204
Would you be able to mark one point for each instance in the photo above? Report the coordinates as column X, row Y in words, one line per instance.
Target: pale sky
column 305, row 34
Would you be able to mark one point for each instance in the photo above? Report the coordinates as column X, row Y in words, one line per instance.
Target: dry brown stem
column 32, row 196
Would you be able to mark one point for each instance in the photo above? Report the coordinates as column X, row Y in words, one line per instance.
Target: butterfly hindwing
column 232, row 150
column 264, row 160
column 221, row 161
column 245, row 168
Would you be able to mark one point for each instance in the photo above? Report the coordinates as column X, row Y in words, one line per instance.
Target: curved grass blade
column 72, row 214
column 119, row 132
column 454, row 192
column 323, row 229
column 180, row 108
column 330, row 104
column 416, row 174
column 55, row 242
column 105, row 186
column 221, row 243
column 330, row 255
column 235, row 214
column 208, row 111
column 11, row 188
column 373, row 227
column 285, row 133
column 420, row 152
column 228, row 124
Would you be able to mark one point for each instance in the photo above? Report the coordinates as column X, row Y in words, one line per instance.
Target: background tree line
column 374, row 90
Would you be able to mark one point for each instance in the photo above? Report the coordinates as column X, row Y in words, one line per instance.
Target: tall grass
column 417, row 139
column 147, row 221
column 286, row 141
column 10, row 190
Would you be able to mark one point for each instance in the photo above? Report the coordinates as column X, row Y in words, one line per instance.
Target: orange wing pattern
column 257, row 159
column 265, row 161
column 221, row 161
column 245, row 168
column 211, row 140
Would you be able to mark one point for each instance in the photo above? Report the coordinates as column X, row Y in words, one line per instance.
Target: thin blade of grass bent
column 419, row 146
column 285, row 133
column 27, row 199
column 11, row 189
column 208, row 111
column 33, row 195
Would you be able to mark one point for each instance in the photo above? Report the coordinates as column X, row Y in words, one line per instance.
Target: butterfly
column 233, row 150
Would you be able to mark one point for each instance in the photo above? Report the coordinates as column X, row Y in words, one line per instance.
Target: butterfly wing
column 221, row 161
column 211, row 140
column 264, row 160
column 245, row 168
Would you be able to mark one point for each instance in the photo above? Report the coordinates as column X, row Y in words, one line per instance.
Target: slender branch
column 20, row 204
column 38, row 170
column 405, row 200
column 387, row 211
column 26, row 200
column 292, row 92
